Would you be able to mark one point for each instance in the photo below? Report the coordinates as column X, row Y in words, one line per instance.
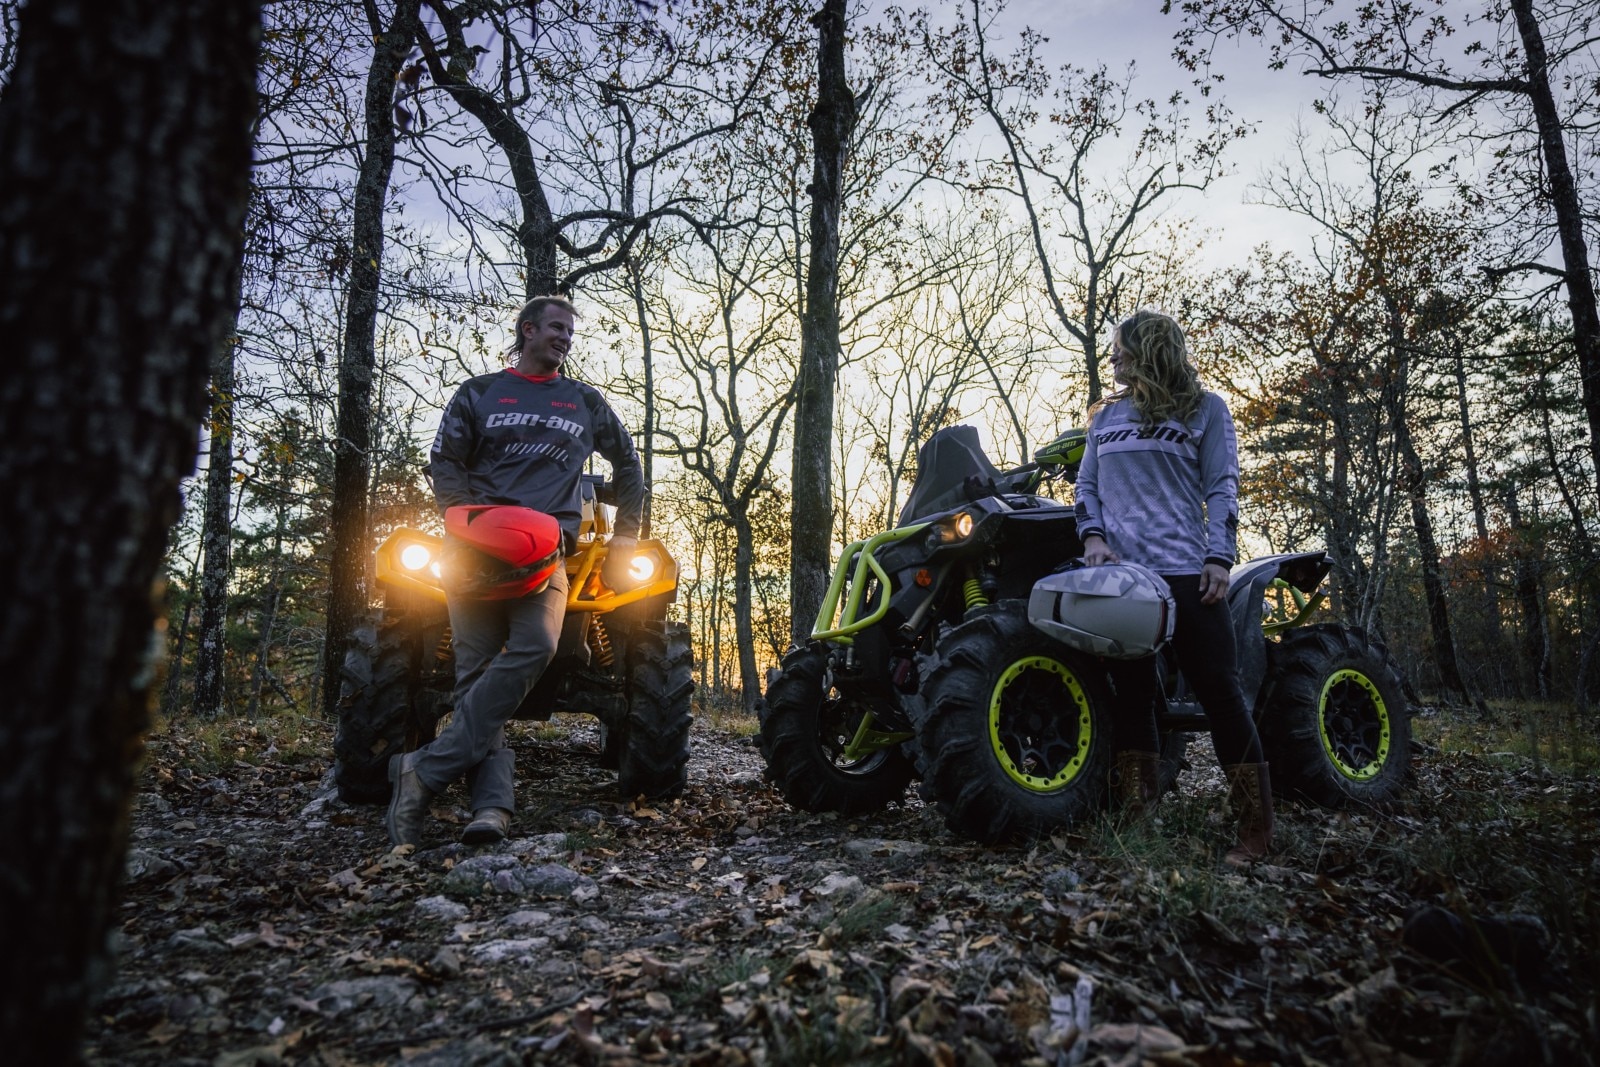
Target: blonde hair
column 1162, row 382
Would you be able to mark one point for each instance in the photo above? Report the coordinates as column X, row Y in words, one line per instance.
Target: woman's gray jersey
column 508, row 438
column 1167, row 495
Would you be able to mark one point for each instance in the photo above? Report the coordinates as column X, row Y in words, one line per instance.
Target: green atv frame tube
column 861, row 554
column 868, row 738
column 1352, row 701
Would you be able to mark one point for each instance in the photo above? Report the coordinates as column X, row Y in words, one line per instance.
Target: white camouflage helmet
column 1119, row 610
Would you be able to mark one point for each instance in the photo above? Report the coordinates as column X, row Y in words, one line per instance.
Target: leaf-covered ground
column 264, row 922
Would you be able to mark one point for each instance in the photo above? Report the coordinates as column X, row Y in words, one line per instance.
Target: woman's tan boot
column 1136, row 784
column 1250, row 799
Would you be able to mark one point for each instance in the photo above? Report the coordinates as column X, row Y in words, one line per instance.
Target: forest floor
column 264, row 922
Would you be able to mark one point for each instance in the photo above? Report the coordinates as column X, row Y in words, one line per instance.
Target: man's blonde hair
column 1162, row 381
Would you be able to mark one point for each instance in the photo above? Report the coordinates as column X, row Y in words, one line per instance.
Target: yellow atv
column 618, row 659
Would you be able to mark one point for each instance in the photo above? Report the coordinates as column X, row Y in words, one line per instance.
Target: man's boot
column 488, row 826
column 1136, row 784
column 408, row 801
column 1250, row 799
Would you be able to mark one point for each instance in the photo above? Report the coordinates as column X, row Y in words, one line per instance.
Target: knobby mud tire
column 653, row 751
column 999, row 681
column 803, row 729
column 377, row 685
column 1337, row 725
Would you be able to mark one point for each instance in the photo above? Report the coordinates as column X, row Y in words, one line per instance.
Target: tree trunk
column 347, row 565
column 1480, row 510
column 174, row 686
column 743, row 566
column 1568, row 210
column 1433, row 586
column 216, row 537
column 647, row 437
column 124, row 161
column 811, row 521
column 1530, row 600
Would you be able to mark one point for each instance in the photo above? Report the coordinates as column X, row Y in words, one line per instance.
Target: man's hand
column 616, row 568
column 1096, row 551
column 1214, row 582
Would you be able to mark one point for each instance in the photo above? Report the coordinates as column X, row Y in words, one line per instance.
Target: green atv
column 924, row 663
column 619, row 658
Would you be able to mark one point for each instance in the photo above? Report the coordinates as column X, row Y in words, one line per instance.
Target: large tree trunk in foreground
column 352, row 464
column 811, row 515
column 124, row 156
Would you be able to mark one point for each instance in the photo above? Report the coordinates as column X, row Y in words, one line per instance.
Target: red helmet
column 500, row 551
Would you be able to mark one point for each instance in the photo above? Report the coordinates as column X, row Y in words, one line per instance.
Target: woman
column 1158, row 486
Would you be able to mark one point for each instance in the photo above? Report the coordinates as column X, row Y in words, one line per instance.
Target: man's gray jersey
column 1165, row 496
column 509, row 438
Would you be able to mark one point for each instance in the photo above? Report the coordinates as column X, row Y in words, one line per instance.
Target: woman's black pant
column 1203, row 642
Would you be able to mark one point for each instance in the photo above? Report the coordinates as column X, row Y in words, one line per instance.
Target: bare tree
column 350, row 544
column 1532, row 65
column 122, row 191
column 832, row 123
column 1091, row 165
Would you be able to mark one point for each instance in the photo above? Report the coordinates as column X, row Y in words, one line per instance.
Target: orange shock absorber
column 600, row 641
column 444, row 650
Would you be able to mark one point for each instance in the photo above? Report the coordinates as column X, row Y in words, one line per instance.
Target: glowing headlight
column 643, row 568
column 415, row 557
column 948, row 531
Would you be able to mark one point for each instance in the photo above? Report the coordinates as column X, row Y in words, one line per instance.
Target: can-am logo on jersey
column 1160, row 433
column 528, row 418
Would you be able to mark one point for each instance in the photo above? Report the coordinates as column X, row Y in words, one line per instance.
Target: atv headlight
column 416, row 557
column 957, row 527
column 643, row 567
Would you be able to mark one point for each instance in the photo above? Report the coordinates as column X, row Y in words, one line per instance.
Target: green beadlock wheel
column 1353, row 720
column 1336, row 725
column 1017, row 734
column 1040, row 723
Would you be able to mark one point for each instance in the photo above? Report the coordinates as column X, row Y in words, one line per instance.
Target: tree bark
column 216, row 538
column 124, row 161
column 1530, row 599
column 811, row 523
column 174, row 684
column 537, row 233
column 352, row 464
column 1568, row 208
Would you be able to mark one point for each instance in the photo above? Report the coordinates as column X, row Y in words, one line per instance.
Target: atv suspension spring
column 446, row 646
column 601, row 641
column 973, row 592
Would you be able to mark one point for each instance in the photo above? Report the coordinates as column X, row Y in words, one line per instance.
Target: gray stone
column 196, row 939
column 147, row 866
column 441, row 908
column 499, row 873
column 870, row 847
column 510, row 950
column 844, row 886
column 526, row 918
column 378, row 991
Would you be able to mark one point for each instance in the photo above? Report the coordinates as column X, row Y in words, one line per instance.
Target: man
column 518, row 437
